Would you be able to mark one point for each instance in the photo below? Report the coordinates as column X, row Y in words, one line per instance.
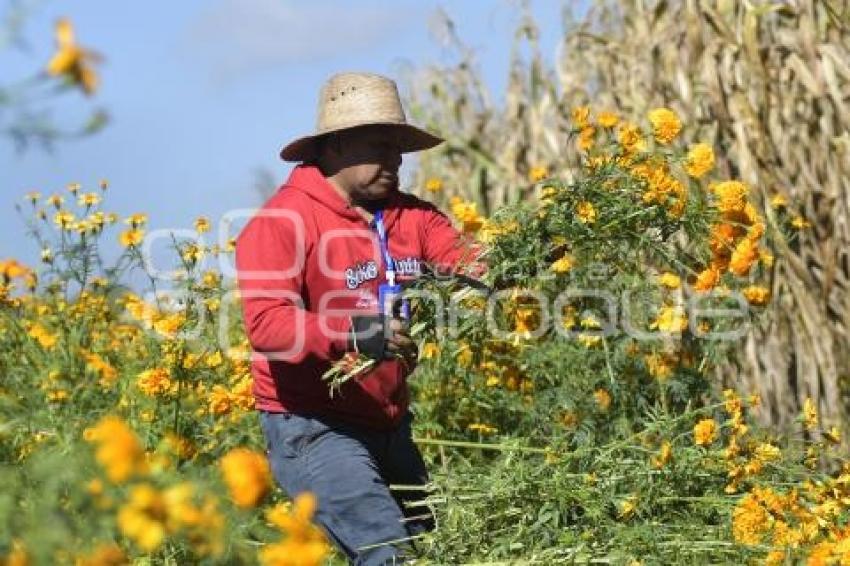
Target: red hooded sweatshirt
column 305, row 263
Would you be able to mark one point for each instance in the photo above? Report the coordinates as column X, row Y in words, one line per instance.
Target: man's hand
column 379, row 337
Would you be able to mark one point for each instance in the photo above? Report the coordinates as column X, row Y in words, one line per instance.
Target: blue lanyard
column 382, row 240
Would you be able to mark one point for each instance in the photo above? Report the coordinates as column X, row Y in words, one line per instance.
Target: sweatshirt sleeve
column 270, row 273
column 447, row 248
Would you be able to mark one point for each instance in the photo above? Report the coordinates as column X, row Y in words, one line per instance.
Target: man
column 310, row 264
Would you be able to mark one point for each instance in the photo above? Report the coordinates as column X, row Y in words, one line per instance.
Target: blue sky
column 202, row 94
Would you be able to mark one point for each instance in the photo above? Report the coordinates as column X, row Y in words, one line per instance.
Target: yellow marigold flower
column 756, row 294
column 767, row 452
column 430, row 350
column 55, row 200
column 562, row 265
column 749, row 520
column 33, row 196
column 585, row 212
column 88, row 199
column 658, row 366
column 670, row 319
column 731, row 195
column 746, row 253
column 192, row 253
column 602, row 398
column 705, row 432
column 220, row 401
column 810, row 414
column 586, row 138
column 202, row 225
column 665, row 124
column 303, row 539
column 154, row 382
column 628, row 507
column 464, row 355
column 670, row 280
column 581, row 116
column 665, row 454
column 44, row 337
column 700, row 160
column 766, row 257
column 247, row 476
column 537, row 174
column 136, row 220
column 73, row 188
column 64, row 219
column 119, row 451
column 11, row 269
column 71, row 60
column 131, row 238
column 143, row 518
column 707, row 279
column 434, row 185
column 778, row 201
column 630, row 137
column 168, row 325
column 467, row 214
column 607, row 119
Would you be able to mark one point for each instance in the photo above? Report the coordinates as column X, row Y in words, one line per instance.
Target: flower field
column 570, row 417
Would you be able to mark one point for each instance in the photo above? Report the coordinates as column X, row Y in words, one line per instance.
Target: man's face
column 368, row 159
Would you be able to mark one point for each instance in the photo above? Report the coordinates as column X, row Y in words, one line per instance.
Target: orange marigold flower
column 700, row 160
column 247, row 476
column 705, row 432
column 756, row 294
column 745, row 254
column 731, row 195
column 665, row 124
column 118, row 449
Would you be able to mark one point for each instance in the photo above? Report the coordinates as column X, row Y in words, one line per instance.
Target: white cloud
column 239, row 37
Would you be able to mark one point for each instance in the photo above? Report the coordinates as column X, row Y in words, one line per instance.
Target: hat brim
column 411, row 139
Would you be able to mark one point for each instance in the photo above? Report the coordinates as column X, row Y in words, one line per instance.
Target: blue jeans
column 350, row 470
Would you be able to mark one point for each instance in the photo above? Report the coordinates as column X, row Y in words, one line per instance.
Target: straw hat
column 348, row 100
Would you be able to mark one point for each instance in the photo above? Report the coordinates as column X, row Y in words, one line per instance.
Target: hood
column 309, row 180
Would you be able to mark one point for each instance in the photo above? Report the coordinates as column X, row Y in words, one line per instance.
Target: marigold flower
column 746, row 253
column 136, row 220
column 810, row 414
column 119, row 450
column 778, row 201
column 731, row 195
column 602, row 398
column 629, row 137
column 202, row 225
column 670, row 280
column 71, row 60
column 585, row 212
column 247, row 476
column 467, row 214
column 131, row 238
column 700, row 160
column 670, row 319
column 800, row 223
column 434, row 185
column 44, row 337
column 482, row 428
column 607, row 119
column 63, row 219
column 756, row 294
column 537, row 173
column 705, row 432
column 665, row 124
column 430, row 350
column 88, row 199
column 562, row 265
column 581, row 116
column 154, row 382
column 586, row 138
column 749, row 521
